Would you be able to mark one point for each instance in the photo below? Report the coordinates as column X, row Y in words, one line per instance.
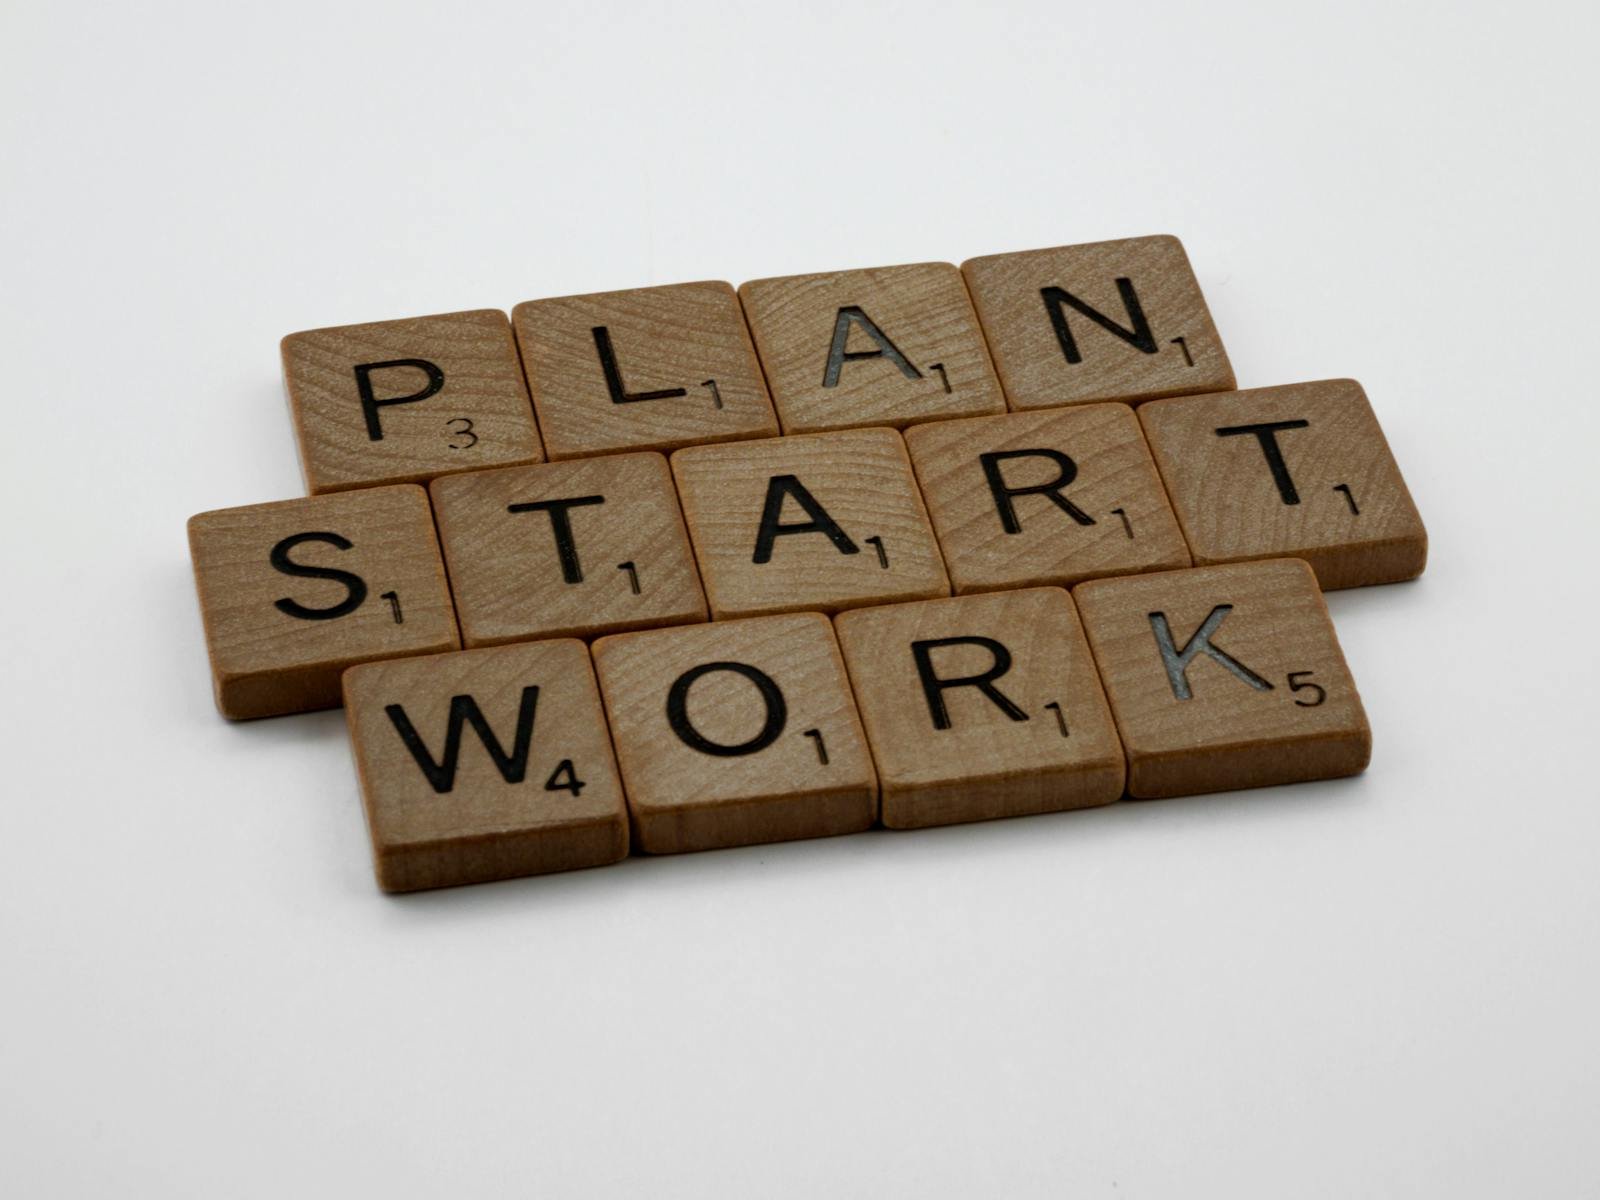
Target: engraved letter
column 356, row 586
column 464, row 710
column 1068, row 471
column 1139, row 337
column 1267, row 435
column 777, row 711
column 561, row 526
column 838, row 355
column 933, row 687
column 1177, row 661
column 370, row 404
column 779, row 487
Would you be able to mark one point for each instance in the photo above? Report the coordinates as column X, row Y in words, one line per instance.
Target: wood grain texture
column 611, row 555
column 1322, row 485
column 1000, row 535
column 479, row 416
column 795, row 767
column 280, row 635
column 1034, row 359
column 553, row 801
column 879, row 346
column 676, row 339
column 860, row 480
column 948, row 752
column 1284, row 712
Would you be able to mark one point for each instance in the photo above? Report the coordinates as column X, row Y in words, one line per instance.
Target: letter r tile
column 981, row 706
column 1224, row 677
column 485, row 764
column 1050, row 497
column 647, row 369
column 736, row 732
column 1122, row 320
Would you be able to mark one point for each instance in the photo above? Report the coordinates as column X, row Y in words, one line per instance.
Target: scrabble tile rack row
column 972, row 543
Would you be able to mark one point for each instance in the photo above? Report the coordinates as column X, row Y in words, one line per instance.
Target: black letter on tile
column 357, row 586
column 608, row 364
column 1177, row 661
column 1139, row 337
column 561, row 526
column 851, row 314
column 1267, row 435
column 1068, row 471
column 371, row 404
column 464, row 711
column 771, row 529
column 771, row 697
column 933, row 686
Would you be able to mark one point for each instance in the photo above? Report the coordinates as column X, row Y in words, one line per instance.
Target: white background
column 1377, row 987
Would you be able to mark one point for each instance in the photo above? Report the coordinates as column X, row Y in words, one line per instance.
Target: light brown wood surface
column 1285, row 711
column 680, row 338
column 627, row 562
column 880, row 346
column 1144, row 361
column 798, row 767
column 541, row 793
column 996, row 534
column 859, row 479
column 1323, row 486
column 479, row 416
column 947, row 751
column 278, row 636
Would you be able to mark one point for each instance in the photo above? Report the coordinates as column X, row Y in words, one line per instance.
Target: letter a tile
column 406, row 401
column 646, row 369
column 295, row 591
column 881, row 346
column 1224, row 677
column 1120, row 320
column 736, row 732
column 1298, row 471
column 981, row 706
column 822, row 521
column 485, row 764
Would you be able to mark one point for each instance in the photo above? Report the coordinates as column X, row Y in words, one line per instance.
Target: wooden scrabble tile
column 822, row 521
column 405, row 401
column 1052, row 497
column 736, row 732
column 594, row 545
column 1120, row 320
column 1224, row 677
column 485, row 764
column 1298, row 471
column 882, row 346
column 294, row 592
column 981, row 706
column 647, row 369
